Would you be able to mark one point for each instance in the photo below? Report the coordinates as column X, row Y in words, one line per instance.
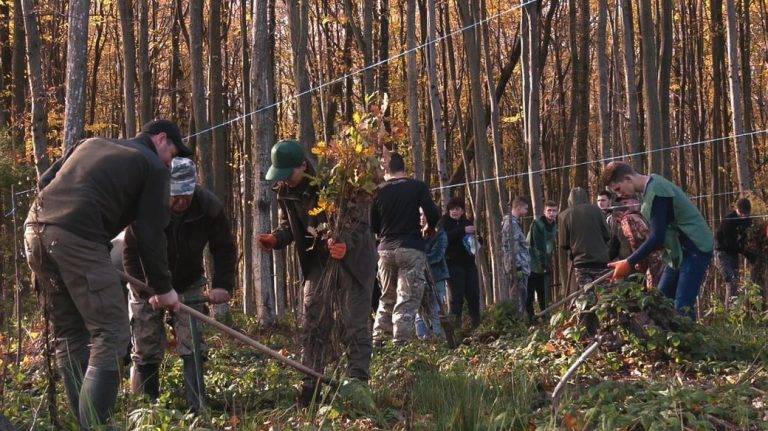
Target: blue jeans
column 422, row 330
column 682, row 285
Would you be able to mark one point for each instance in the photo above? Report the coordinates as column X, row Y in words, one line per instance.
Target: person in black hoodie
column 729, row 243
column 463, row 284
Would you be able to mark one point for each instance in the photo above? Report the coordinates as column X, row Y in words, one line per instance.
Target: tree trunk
column 145, row 73
column 631, row 85
column 603, row 88
column 202, row 138
column 6, row 58
column 580, row 78
column 98, row 48
column 219, row 143
column 412, row 74
column 740, row 150
column 261, row 300
column 298, row 17
column 383, row 84
column 718, row 102
column 77, row 71
column 125, row 8
column 653, row 139
column 745, row 45
column 469, row 14
column 531, row 103
column 498, row 150
column 247, row 168
column 436, row 106
column 37, row 86
column 664, row 77
column 18, row 104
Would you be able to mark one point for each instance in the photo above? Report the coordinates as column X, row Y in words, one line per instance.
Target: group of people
column 146, row 188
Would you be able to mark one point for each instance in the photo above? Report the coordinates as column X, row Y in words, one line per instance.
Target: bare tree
column 298, row 18
column 469, row 14
column 602, row 79
column 412, row 73
column 145, row 72
column 653, row 139
column 740, row 149
column 219, row 144
column 125, row 8
column 261, row 300
column 631, row 83
column 664, row 78
column 435, row 105
column 199, row 108
column 37, row 86
column 18, row 103
column 77, row 71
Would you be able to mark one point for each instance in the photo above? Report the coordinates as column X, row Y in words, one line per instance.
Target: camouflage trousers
column 83, row 294
column 585, row 276
column 148, row 326
column 401, row 272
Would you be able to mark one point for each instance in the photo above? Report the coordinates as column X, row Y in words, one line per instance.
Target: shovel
column 236, row 335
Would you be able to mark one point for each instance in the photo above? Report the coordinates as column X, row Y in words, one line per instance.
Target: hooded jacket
column 583, row 231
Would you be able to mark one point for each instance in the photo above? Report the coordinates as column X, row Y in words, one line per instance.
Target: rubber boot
column 98, row 396
column 145, row 379
column 73, row 381
column 309, row 393
column 193, row 384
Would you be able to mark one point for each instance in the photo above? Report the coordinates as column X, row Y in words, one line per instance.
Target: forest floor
column 653, row 371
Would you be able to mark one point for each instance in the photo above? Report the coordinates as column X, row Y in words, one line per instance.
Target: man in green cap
column 677, row 227
column 355, row 249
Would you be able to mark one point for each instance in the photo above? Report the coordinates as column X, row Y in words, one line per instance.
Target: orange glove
column 621, row 269
column 338, row 249
column 267, row 241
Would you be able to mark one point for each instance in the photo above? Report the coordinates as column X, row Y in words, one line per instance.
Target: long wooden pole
column 237, row 335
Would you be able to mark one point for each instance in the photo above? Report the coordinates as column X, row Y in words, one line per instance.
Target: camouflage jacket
column 514, row 245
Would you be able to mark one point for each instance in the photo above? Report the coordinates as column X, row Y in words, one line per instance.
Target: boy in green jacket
column 677, row 227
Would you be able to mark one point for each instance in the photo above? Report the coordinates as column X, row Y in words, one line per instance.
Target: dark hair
column 744, row 206
column 518, row 201
column 396, row 163
column 605, row 193
column 615, row 172
column 455, row 202
column 550, row 203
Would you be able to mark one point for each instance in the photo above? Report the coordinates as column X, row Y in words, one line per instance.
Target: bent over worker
column 197, row 220
column 86, row 198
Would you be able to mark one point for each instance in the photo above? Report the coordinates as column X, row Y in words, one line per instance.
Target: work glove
column 218, row 296
column 267, row 241
column 337, row 249
column 621, row 269
column 168, row 301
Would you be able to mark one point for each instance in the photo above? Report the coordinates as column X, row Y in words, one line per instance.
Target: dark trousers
column 464, row 285
column 682, row 285
column 537, row 283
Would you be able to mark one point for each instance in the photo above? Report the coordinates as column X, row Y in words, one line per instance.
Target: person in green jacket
column 541, row 238
column 677, row 227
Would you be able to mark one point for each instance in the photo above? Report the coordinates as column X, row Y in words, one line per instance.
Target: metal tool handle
column 235, row 334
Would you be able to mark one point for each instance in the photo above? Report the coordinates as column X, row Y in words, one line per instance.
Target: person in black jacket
column 395, row 218
column 729, row 243
column 463, row 284
column 197, row 220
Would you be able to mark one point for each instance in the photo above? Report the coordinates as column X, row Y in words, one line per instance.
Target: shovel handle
column 235, row 334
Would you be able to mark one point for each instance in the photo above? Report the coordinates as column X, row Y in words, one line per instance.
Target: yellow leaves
column 359, row 148
column 323, row 206
column 320, row 149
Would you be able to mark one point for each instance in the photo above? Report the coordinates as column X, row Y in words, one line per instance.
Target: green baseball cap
column 287, row 155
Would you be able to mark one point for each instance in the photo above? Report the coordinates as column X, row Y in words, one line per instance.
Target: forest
column 486, row 100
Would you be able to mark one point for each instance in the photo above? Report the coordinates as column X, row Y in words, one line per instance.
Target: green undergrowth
column 654, row 370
